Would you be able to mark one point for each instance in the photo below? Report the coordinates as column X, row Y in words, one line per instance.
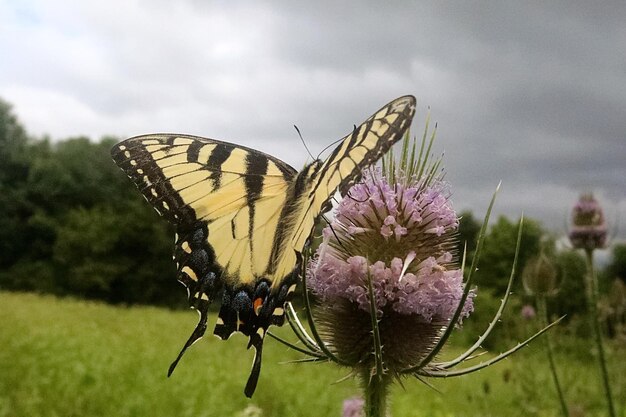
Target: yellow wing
column 243, row 217
column 237, row 192
column 358, row 150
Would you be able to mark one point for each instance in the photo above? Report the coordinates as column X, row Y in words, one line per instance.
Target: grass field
column 63, row 357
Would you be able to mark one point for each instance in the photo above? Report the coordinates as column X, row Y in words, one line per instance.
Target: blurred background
column 530, row 94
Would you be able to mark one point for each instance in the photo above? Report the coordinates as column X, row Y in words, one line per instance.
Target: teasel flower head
column 540, row 276
column 588, row 229
column 397, row 234
column 389, row 286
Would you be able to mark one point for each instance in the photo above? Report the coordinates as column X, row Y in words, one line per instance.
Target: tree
column 469, row 228
column 13, row 143
column 498, row 252
column 570, row 298
column 121, row 254
column 72, row 223
column 14, row 207
column 617, row 267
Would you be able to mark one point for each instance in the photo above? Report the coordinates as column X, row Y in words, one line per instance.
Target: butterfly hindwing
column 243, row 217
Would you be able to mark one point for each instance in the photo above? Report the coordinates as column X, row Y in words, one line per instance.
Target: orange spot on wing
column 258, row 303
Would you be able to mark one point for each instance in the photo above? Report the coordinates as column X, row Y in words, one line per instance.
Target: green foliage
column 104, row 255
column 13, row 144
column 498, row 252
column 469, row 227
column 570, row 299
column 72, row 223
column 75, row 172
column 617, row 267
column 13, row 172
column 510, row 329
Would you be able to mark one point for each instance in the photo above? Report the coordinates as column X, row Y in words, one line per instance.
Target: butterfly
column 243, row 217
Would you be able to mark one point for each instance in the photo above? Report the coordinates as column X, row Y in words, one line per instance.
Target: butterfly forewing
column 364, row 146
column 192, row 180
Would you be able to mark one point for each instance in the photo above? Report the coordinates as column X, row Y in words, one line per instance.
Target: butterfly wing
column 243, row 217
column 236, row 192
column 225, row 201
column 358, row 150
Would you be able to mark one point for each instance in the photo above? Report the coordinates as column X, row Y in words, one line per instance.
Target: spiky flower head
column 588, row 230
column 389, row 288
column 396, row 232
column 540, row 277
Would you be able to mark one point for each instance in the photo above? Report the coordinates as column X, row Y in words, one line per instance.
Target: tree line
column 71, row 223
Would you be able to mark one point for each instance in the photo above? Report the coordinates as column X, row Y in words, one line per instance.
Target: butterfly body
column 243, row 217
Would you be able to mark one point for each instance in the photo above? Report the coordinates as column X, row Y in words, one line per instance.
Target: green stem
column 592, row 300
column 375, row 394
column 543, row 314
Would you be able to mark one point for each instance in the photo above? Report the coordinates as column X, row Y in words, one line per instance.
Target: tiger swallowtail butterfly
column 243, row 217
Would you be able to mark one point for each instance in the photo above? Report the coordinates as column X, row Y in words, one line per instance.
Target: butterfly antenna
column 334, row 143
column 303, row 142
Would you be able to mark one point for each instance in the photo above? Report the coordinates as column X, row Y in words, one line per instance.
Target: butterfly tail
column 195, row 336
column 257, row 342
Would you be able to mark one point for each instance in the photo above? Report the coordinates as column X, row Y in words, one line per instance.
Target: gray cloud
column 529, row 93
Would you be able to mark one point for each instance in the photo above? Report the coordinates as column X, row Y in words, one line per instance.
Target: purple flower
column 353, row 407
column 528, row 312
column 589, row 229
column 401, row 236
column 388, row 286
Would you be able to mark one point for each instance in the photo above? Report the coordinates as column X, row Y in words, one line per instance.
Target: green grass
column 63, row 357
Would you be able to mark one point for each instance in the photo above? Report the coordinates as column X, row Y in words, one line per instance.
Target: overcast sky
column 530, row 93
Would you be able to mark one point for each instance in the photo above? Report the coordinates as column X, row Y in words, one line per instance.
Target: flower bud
column 540, row 276
column 528, row 312
column 589, row 229
column 353, row 407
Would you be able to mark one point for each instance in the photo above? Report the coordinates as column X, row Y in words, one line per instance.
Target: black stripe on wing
column 144, row 168
column 363, row 147
column 138, row 163
column 392, row 132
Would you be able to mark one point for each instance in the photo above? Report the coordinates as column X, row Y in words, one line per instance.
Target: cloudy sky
column 530, row 93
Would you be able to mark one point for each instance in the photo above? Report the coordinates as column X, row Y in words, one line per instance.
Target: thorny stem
column 592, row 301
column 374, row 380
column 543, row 314
column 376, row 387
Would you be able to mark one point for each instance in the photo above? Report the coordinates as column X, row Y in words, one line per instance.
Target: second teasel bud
column 588, row 230
column 540, row 276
